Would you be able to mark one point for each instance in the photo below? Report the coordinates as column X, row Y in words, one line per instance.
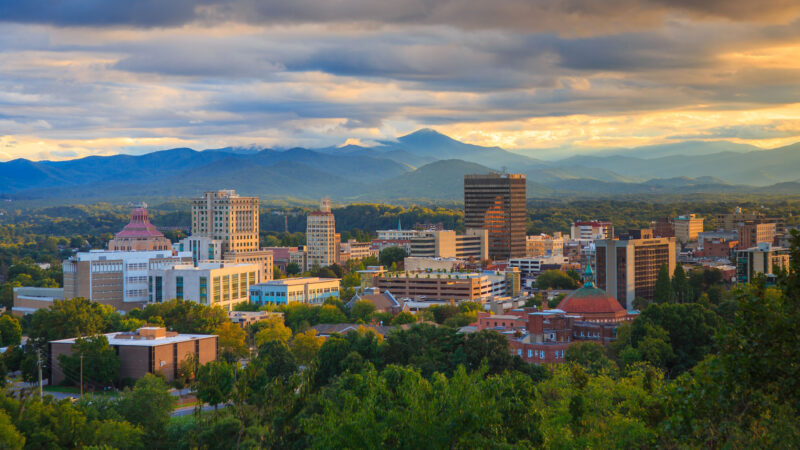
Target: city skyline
column 86, row 78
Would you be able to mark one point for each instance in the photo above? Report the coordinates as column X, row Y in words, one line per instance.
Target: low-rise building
column 245, row 318
column 592, row 229
column 27, row 300
column 473, row 244
column 449, row 286
column 751, row 234
column 147, row 350
column 309, row 290
column 220, row 284
column 420, row 263
column 544, row 245
column 353, row 249
column 383, row 301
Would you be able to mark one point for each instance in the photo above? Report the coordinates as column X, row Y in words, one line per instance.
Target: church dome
column 591, row 300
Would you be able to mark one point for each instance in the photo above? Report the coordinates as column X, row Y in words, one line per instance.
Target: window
column 226, row 288
column 541, row 354
column 217, row 288
column 519, row 352
column 530, row 353
column 203, row 290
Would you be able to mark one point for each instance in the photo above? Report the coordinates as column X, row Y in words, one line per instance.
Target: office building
column 764, row 258
column 400, row 234
column 139, row 234
column 628, row 268
column 544, row 245
column 308, row 290
column 731, row 221
column 447, row 286
column 229, row 218
column 473, row 244
column 353, row 249
column 146, row 350
column 592, row 229
column 496, row 203
column 420, row 264
column 663, row 227
column 116, row 278
column 212, row 284
column 247, row 318
column 751, row 234
column 687, row 227
column 321, row 248
column 717, row 248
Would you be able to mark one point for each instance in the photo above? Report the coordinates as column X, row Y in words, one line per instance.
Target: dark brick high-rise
column 496, row 202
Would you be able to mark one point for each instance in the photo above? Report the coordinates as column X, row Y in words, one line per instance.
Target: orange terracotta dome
column 593, row 303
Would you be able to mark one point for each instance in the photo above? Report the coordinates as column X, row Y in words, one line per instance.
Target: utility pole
column 39, row 363
column 81, row 377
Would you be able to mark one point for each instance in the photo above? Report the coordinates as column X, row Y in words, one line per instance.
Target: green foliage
column 183, row 316
column 592, row 357
column 664, row 289
column 362, row 310
column 214, row 383
column 392, row 256
column 231, row 341
column 555, row 279
column 100, row 363
column 148, row 405
column 681, row 289
column 403, row 318
column 10, row 331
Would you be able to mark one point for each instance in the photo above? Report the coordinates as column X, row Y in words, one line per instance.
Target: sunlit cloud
column 576, row 76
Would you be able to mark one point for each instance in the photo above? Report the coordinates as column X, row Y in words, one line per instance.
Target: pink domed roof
column 590, row 300
column 139, row 226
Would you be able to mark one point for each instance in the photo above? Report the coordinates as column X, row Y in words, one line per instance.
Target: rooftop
column 139, row 226
column 136, row 339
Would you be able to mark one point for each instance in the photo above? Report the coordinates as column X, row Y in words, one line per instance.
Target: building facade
column 229, row 218
column 449, row 286
column 353, row 249
column 751, row 234
column 212, row 284
column 473, row 244
column 496, row 203
column 627, row 269
column 544, row 245
column 764, row 259
column 147, row 350
column 139, row 234
column 308, row 290
column 687, row 227
column 321, row 248
column 592, row 229
column 116, row 278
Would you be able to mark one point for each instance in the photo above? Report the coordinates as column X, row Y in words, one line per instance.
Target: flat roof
column 142, row 342
column 295, row 281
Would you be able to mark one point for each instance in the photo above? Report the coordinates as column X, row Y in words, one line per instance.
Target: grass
column 76, row 390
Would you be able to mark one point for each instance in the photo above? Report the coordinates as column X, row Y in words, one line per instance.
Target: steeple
column 399, row 226
column 588, row 276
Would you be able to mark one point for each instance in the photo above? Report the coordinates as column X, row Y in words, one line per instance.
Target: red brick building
column 146, row 350
column 542, row 337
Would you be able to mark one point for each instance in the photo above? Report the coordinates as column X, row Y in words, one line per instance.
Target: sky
column 97, row 77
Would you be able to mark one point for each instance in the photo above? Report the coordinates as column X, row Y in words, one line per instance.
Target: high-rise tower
column 321, row 236
column 496, row 203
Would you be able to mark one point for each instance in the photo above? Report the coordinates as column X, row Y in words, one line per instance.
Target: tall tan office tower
column 496, row 203
column 321, row 236
column 227, row 217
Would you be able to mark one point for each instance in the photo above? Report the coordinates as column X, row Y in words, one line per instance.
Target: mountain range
column 421, row 165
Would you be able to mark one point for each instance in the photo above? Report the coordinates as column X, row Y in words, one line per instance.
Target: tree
column 184, row 316
column 362, row 310
column 680, row 285
column 214, row 383
column 293, row 269
column 663, row 289
column 555, row 279
column 490, row 347
column 404, row 317
column 591, row 356
column 273, row 329
column 330, row 314
column 100, row 362
column 11, row 438
column 392, row 255
column 148, row 405
column 10, row 331
column 306, row 345
column 232, row 341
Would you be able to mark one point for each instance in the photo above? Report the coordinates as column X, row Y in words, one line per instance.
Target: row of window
column 558, row 354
